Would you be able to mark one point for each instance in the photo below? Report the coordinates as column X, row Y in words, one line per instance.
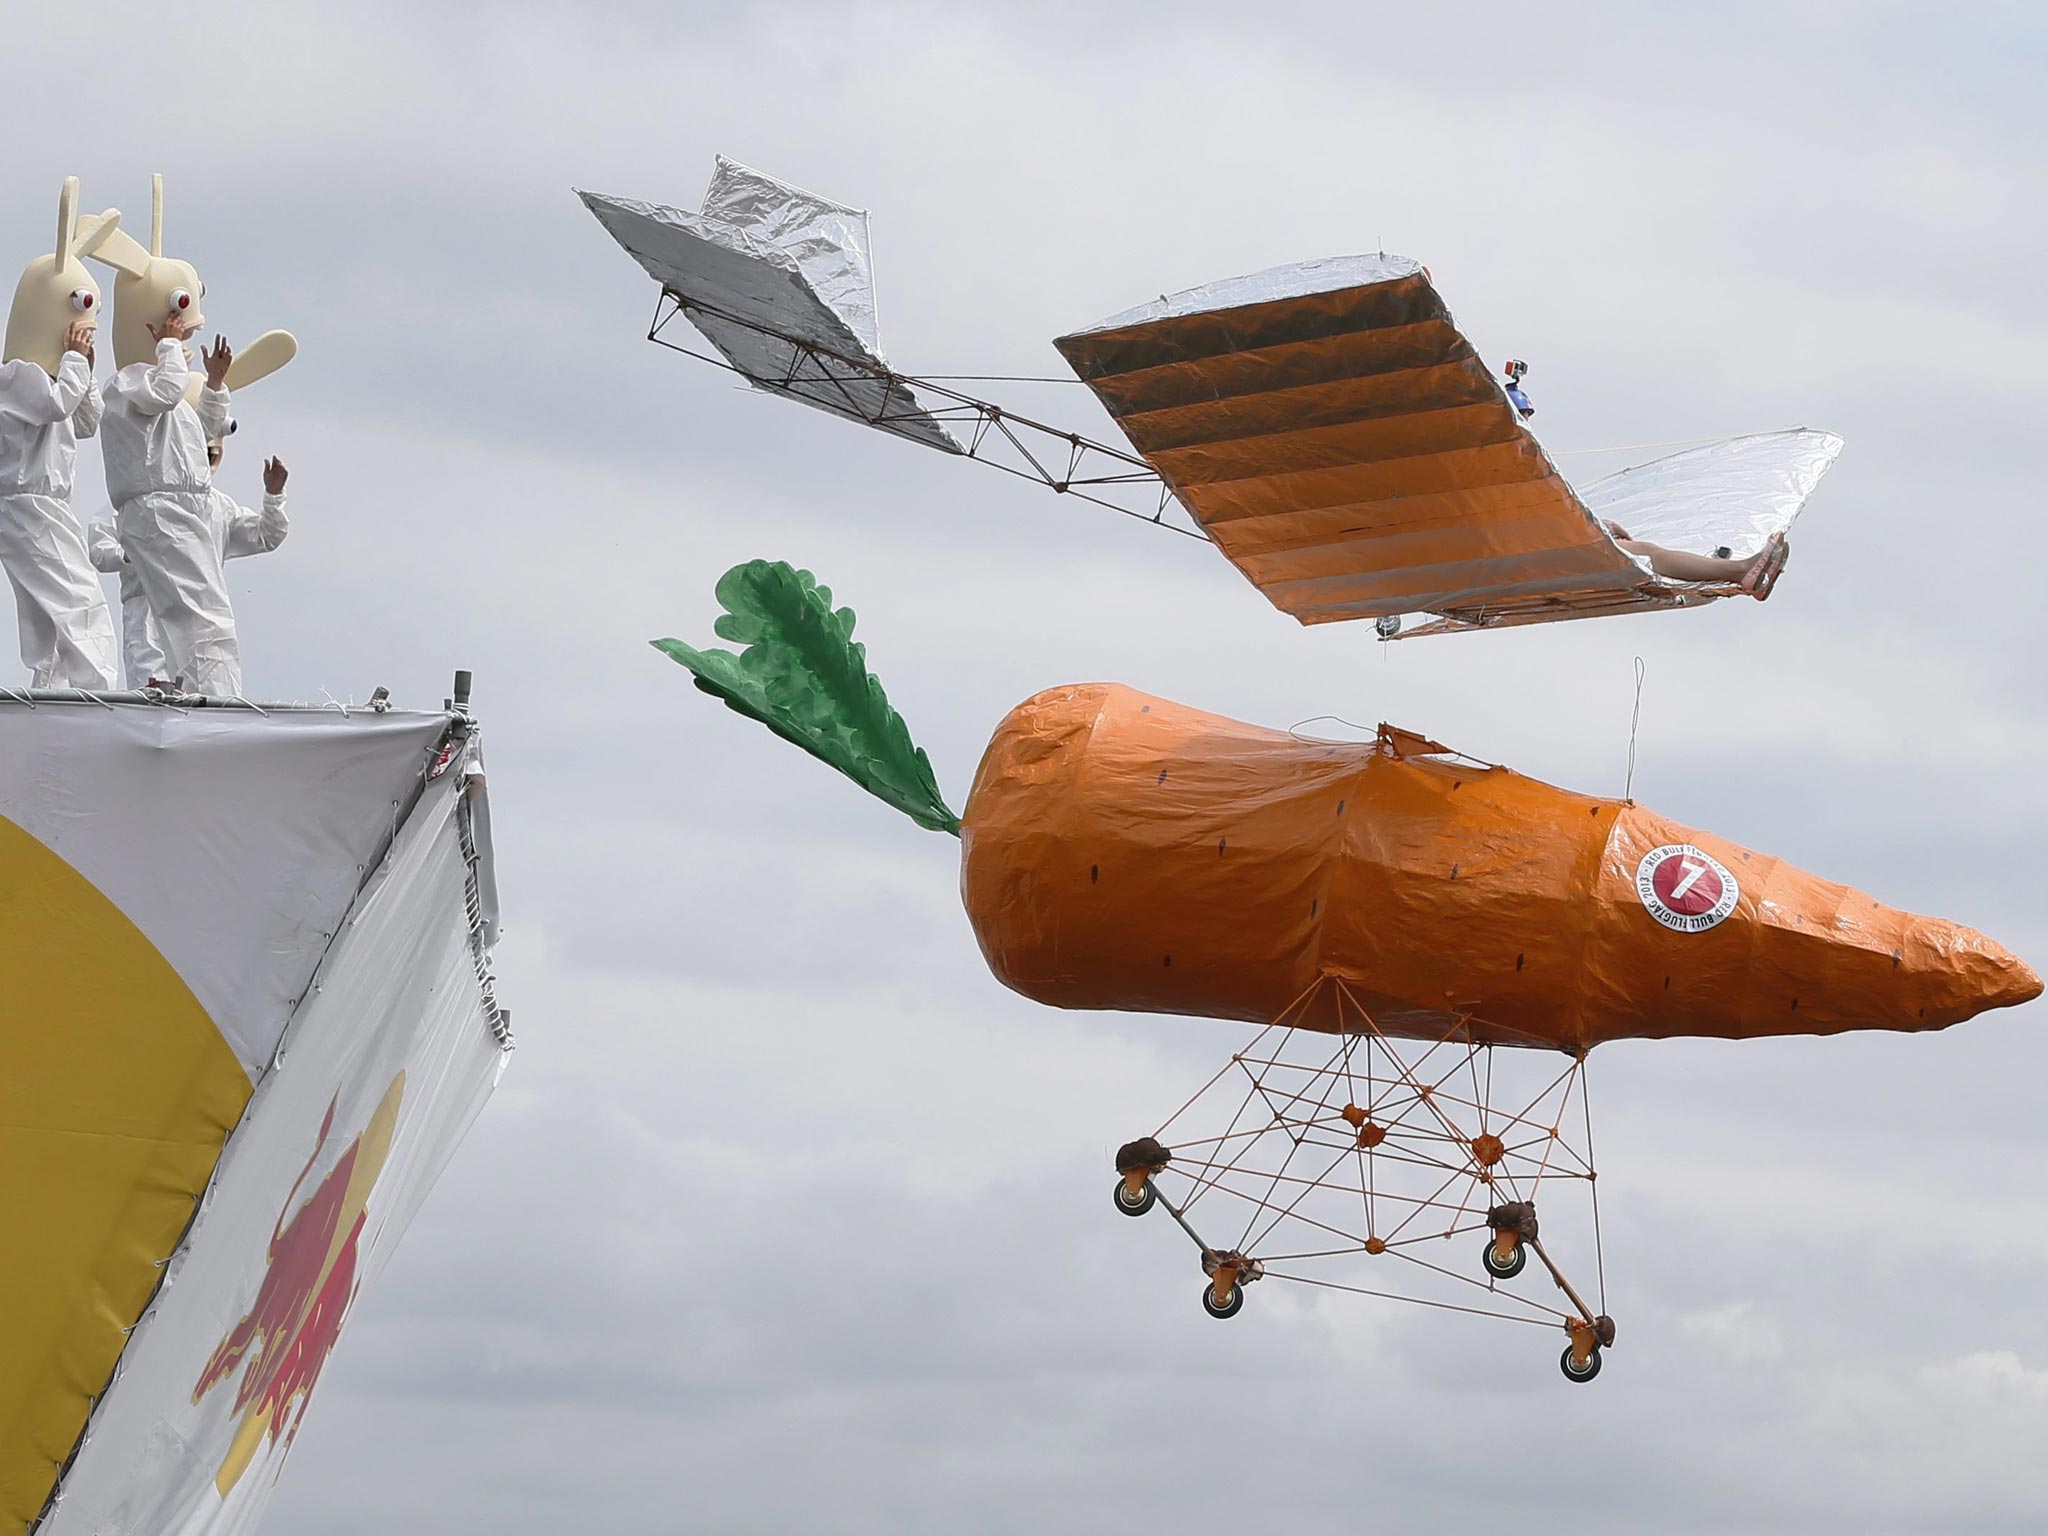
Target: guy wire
column 1628, row 791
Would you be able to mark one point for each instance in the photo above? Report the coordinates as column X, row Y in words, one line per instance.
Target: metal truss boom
column 1062, row 461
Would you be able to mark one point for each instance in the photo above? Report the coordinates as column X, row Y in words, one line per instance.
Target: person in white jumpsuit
column 237, row 532
column 67, row 634
column 155, row 446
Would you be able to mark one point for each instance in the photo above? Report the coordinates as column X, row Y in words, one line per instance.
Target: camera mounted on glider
column 1516, row 368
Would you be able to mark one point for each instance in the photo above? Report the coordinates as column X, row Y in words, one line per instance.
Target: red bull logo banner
column 379, row 1075
column 170, row 882
column 277, row 1349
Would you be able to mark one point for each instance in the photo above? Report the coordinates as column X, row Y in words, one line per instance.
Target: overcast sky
column 787, row 1216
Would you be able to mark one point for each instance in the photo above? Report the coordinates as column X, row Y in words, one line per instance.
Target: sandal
column 1763, row 571
column 1777, row 569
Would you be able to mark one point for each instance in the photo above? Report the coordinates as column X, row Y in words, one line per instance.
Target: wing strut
column 1064, row 462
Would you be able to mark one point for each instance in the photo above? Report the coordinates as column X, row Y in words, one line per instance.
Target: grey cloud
column 787, row 1215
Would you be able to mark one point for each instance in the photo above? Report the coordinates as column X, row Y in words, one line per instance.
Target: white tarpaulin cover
column 383, row 1072
column 780, row 281
column 187, row 1208
column 274, row 816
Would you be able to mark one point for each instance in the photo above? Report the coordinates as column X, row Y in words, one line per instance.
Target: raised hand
column 78, row 338
column 176, row 327
column 274, row 475
column 218, row 356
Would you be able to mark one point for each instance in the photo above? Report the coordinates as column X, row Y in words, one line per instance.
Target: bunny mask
column 149, row 287
column 57, row 290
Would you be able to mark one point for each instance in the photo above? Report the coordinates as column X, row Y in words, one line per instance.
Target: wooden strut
column 1563, row 1284
column 1225, row 1270
column 1586, row 1330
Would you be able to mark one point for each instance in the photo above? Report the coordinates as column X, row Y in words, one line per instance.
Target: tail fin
column 804, row 676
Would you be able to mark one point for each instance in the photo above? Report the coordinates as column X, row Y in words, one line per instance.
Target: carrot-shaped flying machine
column 1121, row 851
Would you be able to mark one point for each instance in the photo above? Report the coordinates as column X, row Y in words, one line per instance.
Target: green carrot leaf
column 803, row 675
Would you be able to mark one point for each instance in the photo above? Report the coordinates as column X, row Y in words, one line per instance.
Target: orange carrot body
column 1121, row 851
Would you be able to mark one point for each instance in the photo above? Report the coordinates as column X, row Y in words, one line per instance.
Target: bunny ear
column 95, row 232
column 67, row 218
column 156, row 215
column 261, row 358
column 118, row 249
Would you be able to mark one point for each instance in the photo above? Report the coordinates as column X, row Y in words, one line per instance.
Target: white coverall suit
column 155, row 447
column 67, row 635
column 236, row 532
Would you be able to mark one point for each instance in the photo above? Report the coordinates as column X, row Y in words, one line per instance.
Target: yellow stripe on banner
column 116, row 1092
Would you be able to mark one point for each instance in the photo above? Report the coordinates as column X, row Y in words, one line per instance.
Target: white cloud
column 1997, row 1374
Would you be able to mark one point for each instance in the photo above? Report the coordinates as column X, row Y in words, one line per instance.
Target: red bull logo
column 280, row 1346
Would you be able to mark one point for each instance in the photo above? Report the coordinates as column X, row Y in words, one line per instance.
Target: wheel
column 1230, row 1308
column 1145, row 1201
column 1491, row 1259
column 1574, row 1373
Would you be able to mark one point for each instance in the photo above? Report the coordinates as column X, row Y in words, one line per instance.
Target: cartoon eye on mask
column 181, row 300
column 83, row 300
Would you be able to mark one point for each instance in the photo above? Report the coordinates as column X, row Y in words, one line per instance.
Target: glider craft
column 1389, row 912
column 1325, row 424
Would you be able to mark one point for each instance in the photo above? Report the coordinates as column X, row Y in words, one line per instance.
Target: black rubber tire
column 1145, row 1203
column 1230, row 1308
column 1592, row 1369
column 1521, row 1261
